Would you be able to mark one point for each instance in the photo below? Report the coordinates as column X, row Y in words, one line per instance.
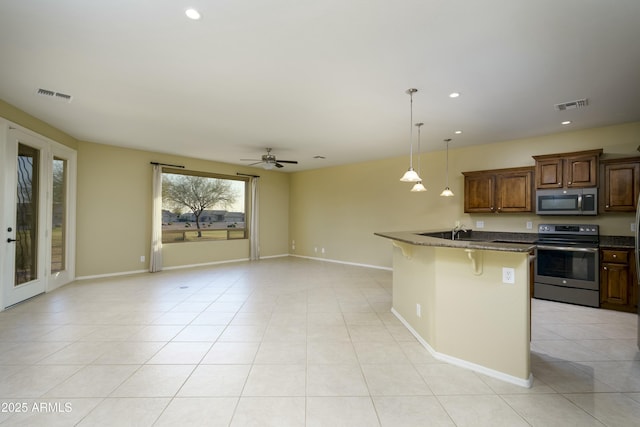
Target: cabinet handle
column 615, row 256
column 569, row 182
column 604, row 268
column 606, row 206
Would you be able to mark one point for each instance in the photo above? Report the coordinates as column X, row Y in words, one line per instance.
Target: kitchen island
column 451, row 295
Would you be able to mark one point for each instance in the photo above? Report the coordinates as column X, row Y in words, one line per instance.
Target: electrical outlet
column 418, row 310
column 322, row 250
column 293, row 245
column 142, row 258
column 508, row 275
column 633, row 226
column 479, row 224
column 315, row 249
column 529, row 225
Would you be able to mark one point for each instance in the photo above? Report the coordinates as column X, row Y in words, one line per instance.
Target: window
column 58, row 215
column 198, row 206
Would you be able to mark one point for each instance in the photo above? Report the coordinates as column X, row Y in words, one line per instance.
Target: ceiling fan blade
column 250, row 160
column 256, row 163
column 278, row 165
column 295, row 162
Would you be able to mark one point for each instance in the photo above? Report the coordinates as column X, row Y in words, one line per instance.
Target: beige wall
column 336, row 208
column 339, row 208
column 21, row 118
column 114, row 212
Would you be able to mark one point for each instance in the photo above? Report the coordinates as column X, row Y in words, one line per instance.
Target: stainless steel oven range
column 567, row 264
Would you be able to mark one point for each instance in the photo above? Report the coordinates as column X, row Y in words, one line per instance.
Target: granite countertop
column 621, row 242
column 489, row 240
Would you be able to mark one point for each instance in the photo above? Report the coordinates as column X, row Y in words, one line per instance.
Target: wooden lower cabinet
column 618, row 281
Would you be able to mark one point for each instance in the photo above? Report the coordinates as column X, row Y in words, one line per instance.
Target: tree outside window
column 201, row 207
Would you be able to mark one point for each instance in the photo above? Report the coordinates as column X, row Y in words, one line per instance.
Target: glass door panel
column 27, row 214
column 58, row 215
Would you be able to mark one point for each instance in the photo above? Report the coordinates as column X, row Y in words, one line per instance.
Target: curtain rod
column 246, row 174
column 166, row 164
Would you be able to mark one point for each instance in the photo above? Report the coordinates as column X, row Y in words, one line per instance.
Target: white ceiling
column 321, row 77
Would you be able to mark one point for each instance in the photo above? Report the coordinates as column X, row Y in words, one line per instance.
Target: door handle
column 9, row 240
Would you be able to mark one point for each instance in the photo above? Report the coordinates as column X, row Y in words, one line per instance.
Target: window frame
column 231, row 231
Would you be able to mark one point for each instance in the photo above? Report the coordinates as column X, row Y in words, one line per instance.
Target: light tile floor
column 290, row 342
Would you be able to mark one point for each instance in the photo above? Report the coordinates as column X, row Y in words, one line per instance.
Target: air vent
column 55, row 95
column 571, row 105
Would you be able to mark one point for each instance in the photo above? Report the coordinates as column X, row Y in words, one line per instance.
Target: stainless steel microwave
column 567, row 201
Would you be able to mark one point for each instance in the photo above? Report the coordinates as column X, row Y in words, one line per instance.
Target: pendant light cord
column 419, row 125
column 447, row 163
column 411, row 129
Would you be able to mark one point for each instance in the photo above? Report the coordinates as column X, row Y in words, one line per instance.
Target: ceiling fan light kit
column 411, row 175
column 269, row 161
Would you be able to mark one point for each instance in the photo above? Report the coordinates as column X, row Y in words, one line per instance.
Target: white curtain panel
column 155, row 260
column 254, row 229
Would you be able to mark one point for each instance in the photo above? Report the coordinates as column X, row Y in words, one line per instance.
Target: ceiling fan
column 269, row 161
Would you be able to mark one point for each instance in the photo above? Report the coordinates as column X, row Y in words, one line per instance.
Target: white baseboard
column 204, row 264
column 342, row 262
column 527, row 383
column 101, row 276
column 180, row 267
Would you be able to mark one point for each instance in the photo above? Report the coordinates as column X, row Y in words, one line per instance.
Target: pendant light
column 447, row 192
column 417, row 187
column 410, row 175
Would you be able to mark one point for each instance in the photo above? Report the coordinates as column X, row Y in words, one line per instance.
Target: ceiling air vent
column 571, row 105
column 55, row 95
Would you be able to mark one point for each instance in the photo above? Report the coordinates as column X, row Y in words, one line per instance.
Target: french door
column 38, row 187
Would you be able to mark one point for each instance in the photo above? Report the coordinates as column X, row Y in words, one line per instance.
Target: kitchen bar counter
column 453, row 298
column 491, row 240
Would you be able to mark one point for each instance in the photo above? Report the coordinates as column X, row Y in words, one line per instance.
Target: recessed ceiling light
column 319, row 157
column 458, row 132
column 566, row 122
column 192, row 14
column 454, row 94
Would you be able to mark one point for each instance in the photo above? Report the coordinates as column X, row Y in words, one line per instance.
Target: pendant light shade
column 411, row 175
column 418, row 187
column 447, row 191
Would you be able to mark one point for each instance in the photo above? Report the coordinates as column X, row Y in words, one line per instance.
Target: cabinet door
column 614, row 285
column 514, row 192
column 621, row 183
column 581, row 171
column 549, row 173
column 479, row 193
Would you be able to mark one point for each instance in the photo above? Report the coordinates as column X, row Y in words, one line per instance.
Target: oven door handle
column 566, row 248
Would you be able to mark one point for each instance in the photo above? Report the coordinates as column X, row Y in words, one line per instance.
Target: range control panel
column 579, row 229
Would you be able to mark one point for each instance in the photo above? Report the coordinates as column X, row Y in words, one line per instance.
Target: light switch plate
column 479, row 224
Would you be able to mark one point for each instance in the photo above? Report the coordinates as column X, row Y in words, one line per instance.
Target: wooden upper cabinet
column 499, row 190
column 568, row 170
column 620, row 184
column 549, row 173
column 479, row 193
column 514, row 191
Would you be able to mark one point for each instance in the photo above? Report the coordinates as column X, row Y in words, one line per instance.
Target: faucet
column 456, row 230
